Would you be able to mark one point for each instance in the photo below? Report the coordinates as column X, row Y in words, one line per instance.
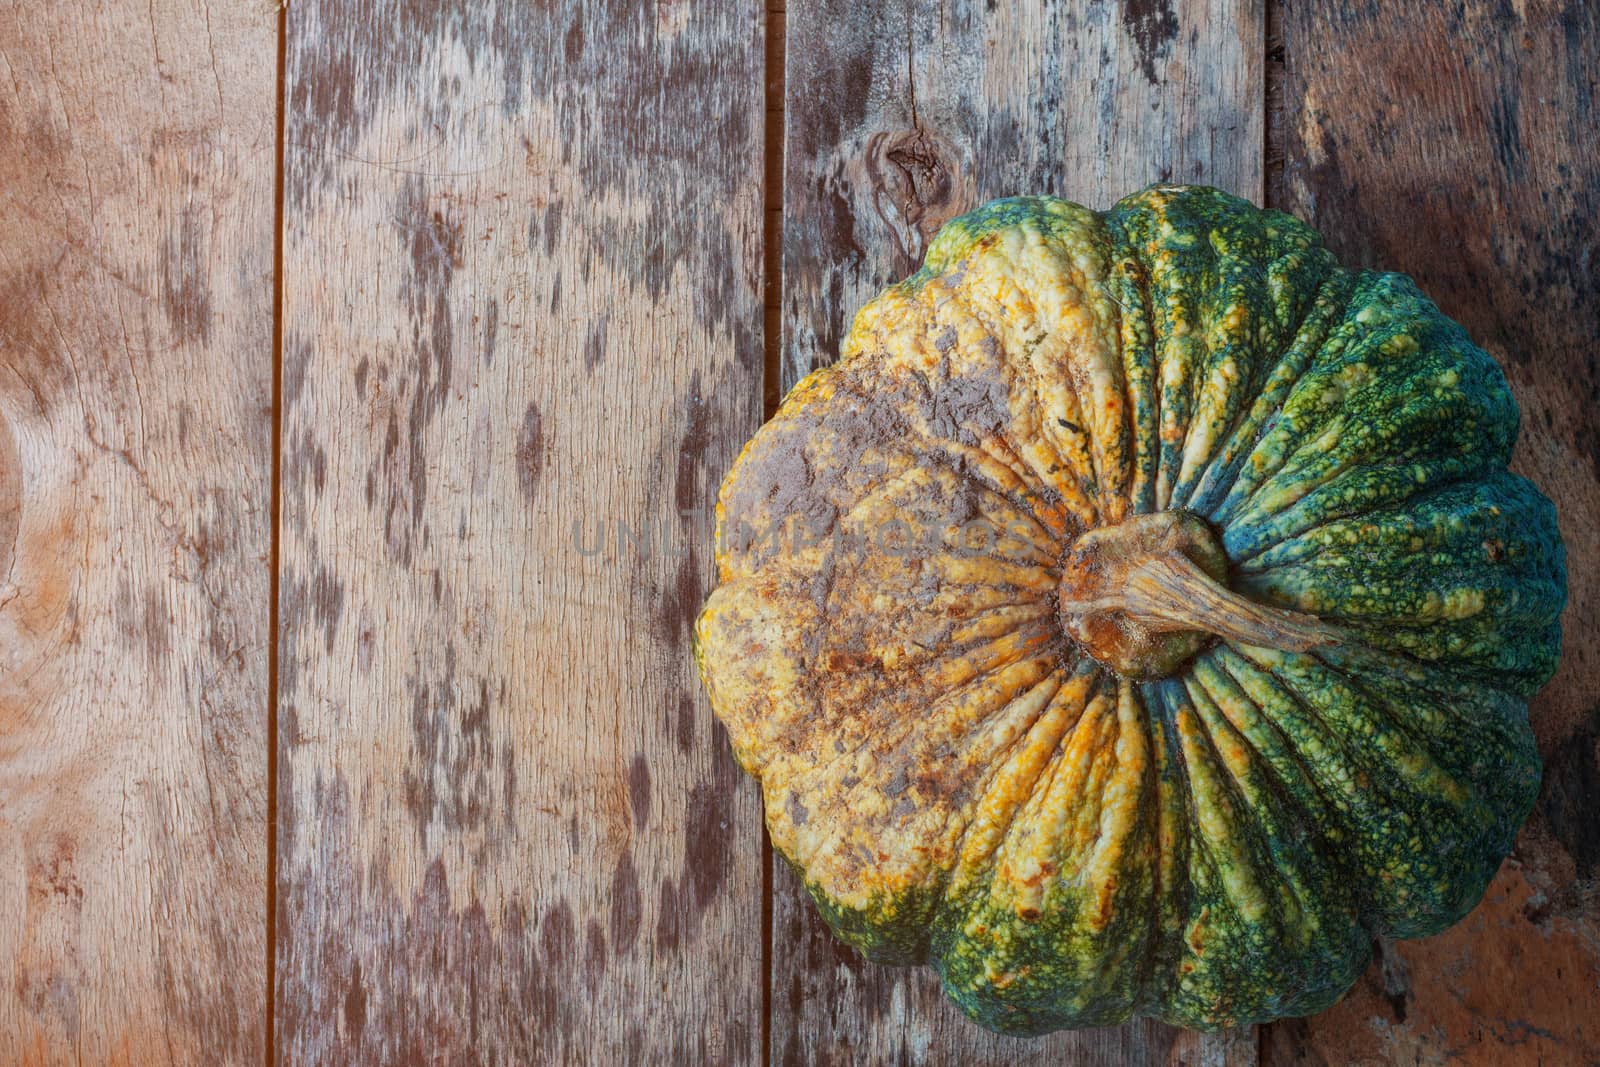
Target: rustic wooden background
column 367, row 368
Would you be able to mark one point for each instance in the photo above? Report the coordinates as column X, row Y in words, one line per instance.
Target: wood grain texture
column 1457, row 143
column 136, row 257
column 522, row 333
column 899, row 118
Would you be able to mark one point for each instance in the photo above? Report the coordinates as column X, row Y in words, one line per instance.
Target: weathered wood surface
column 898, row 118
column 522, row 321
column 136, row 255
column 1457, row 143
column 522, row 290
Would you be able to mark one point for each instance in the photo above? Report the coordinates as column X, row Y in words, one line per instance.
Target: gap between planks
column 275, row 512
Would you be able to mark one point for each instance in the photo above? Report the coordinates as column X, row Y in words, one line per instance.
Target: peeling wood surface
column 899, row 118
column 1456, row 143
column 136, row 214
column 522, row 341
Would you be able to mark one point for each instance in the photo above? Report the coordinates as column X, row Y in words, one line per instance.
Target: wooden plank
column 1456, row 143
column 898, row 120
column 136, row 264
column 522, row 324
column 772, row 264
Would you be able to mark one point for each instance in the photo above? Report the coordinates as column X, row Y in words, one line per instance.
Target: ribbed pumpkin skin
column 959, row 783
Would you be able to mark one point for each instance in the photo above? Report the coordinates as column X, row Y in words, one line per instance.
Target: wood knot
column 918, row 185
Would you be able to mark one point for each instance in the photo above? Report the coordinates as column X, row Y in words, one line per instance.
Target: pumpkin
column 1138, row 617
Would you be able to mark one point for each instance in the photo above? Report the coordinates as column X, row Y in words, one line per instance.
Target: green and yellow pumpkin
column 1138, row 617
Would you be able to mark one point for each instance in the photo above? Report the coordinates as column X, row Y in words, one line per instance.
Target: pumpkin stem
column 1172, row 593
column 1145, row 595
